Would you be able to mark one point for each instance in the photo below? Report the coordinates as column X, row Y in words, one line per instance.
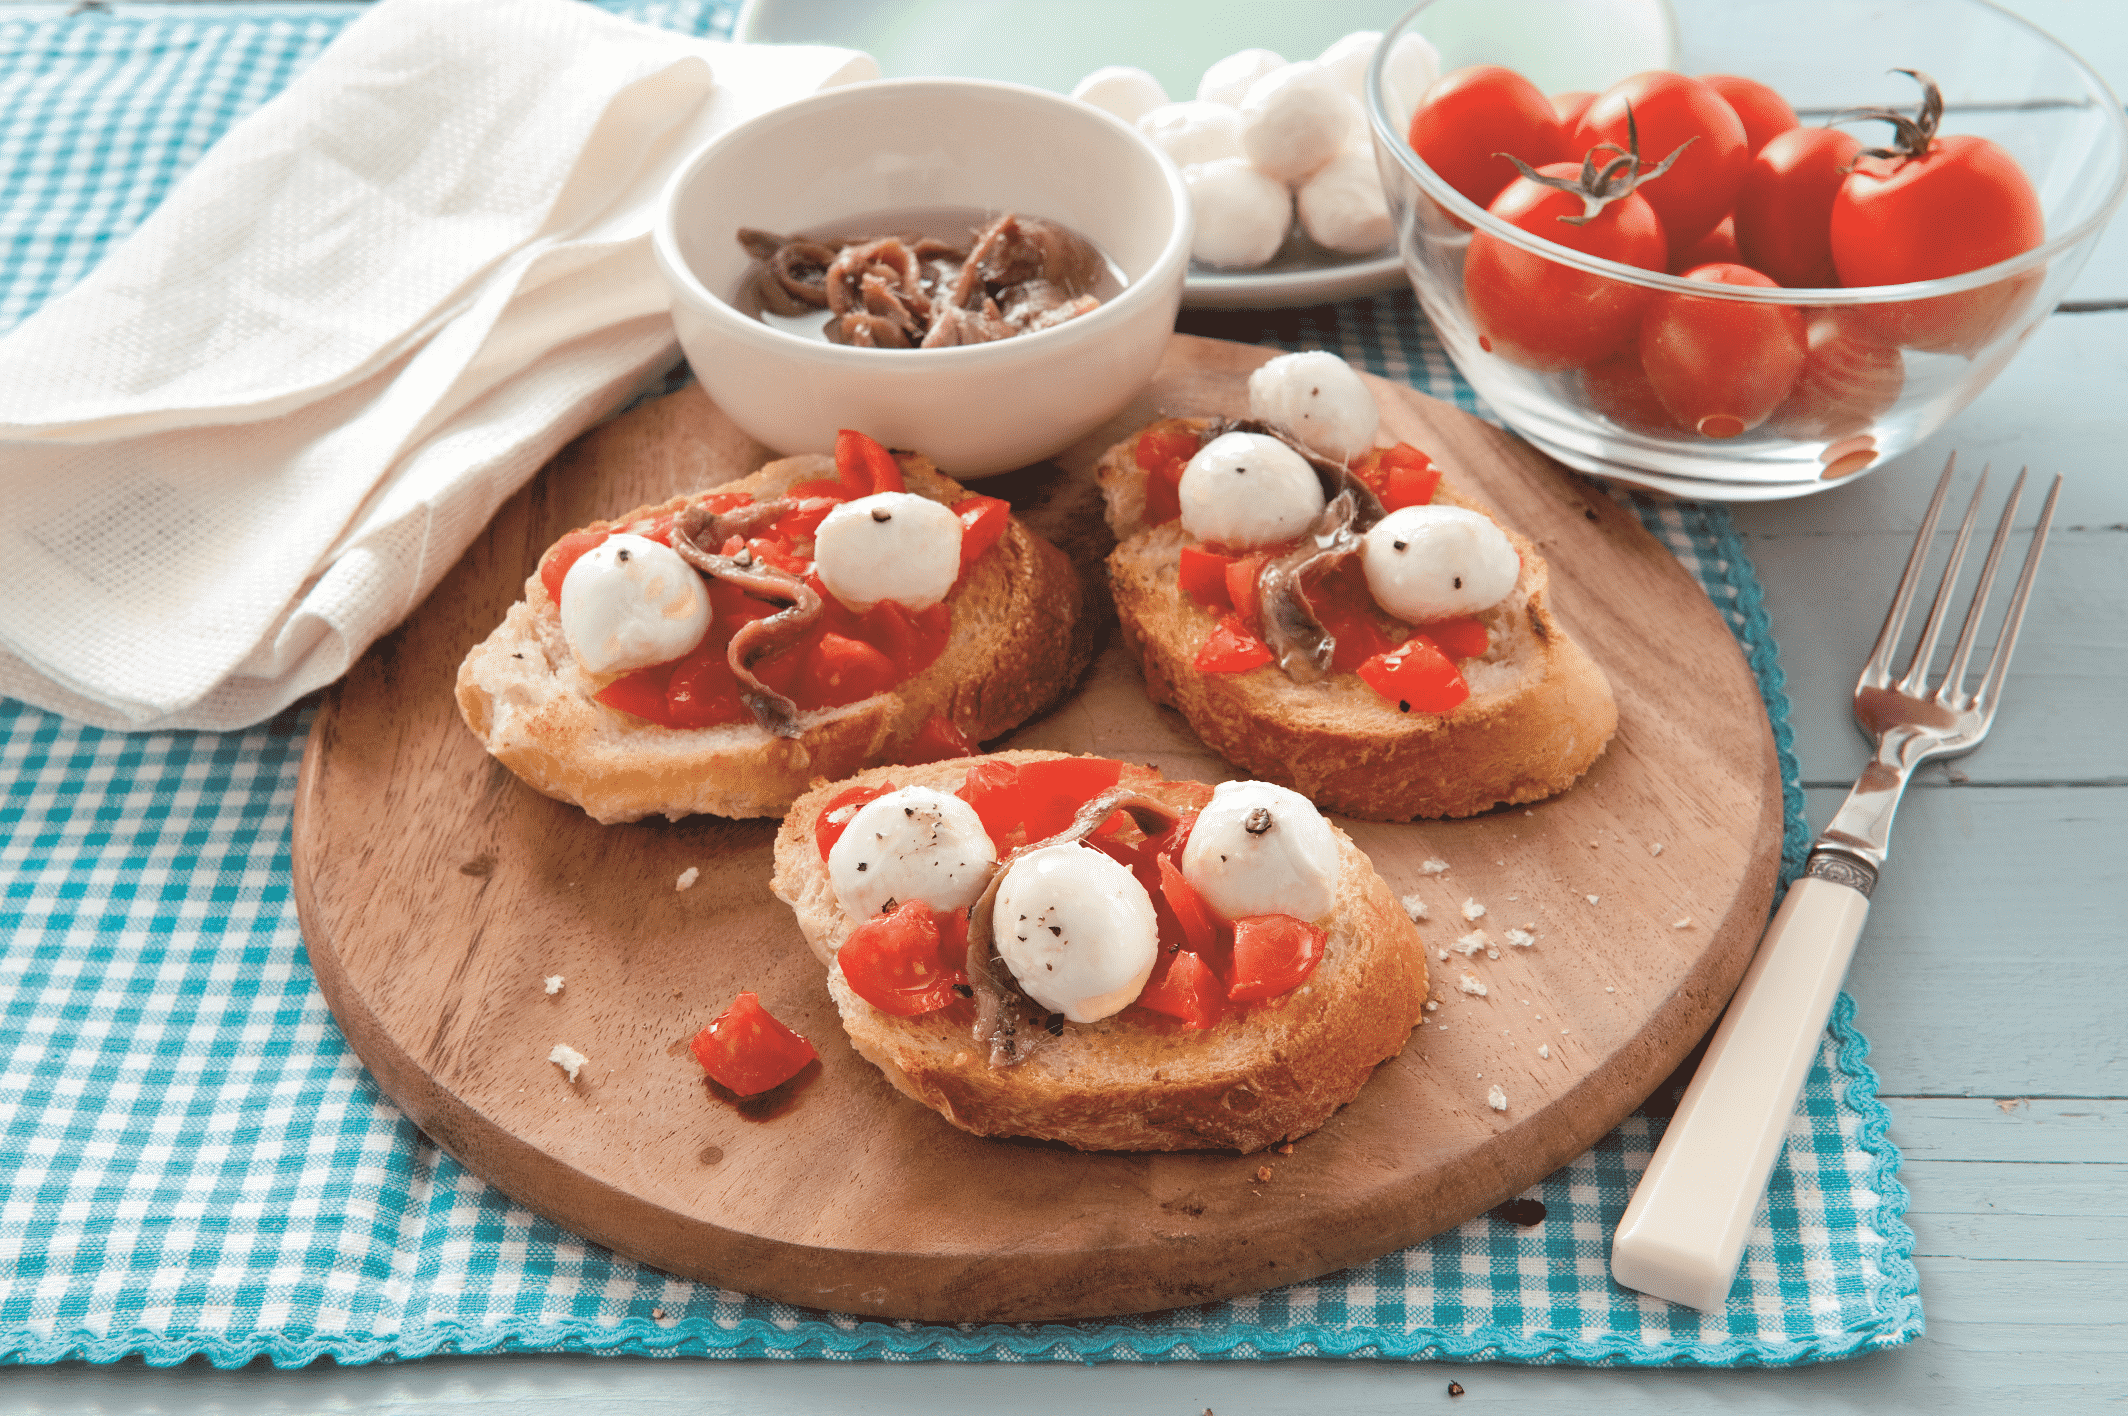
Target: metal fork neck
column 1862, row 827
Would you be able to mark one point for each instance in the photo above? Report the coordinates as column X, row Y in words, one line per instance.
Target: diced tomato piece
column 911, row 640
column 731, row 607
column 1200, row 927
column 983, row 520
column 840, row 670
column 802, row 524
column 1459, row 638
column 992, row 789
column 747, row 1051
column 1273, row 954
column 1345, row 607
column 778, row 554
column 938, row 740
column 864, row 466
column 1416, row 676
column 1242, row 592
column 1052, row 792
column 554, row 566
column 654, row 528
column 702, row 691
column 1184, row 986
column 892, row 961
column 783, row 671
column 641, row 693
column 1231, row 648
column 1161, row 452
column 1401, row 476
column 1204, row 577
column 826, row 489
column 834, row 818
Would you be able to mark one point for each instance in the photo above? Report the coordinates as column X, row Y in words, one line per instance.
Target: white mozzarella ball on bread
column 1229, row 80
column 889, row 546
column 630, row 602
column 1077, row 930
column 1260, row 849
column 1128, row 93
column 1430, row 562
column 1248, row 489
column 1411, row 68
column 1193, row 132
column 1242, row 216
column 1342, row 207
column 911, row 844
column 1296, row 119
column 1320, row 399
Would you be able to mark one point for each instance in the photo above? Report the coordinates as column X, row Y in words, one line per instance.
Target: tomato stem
column 1597, row 186
column 1910, row 136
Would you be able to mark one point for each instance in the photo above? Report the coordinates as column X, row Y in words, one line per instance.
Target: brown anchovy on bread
column 1134, row 1081
column 1540, row 711
column 1021, row 637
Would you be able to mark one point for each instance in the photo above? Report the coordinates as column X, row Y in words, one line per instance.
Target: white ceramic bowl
column 917, row 144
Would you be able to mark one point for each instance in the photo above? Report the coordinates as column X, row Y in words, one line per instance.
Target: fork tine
column 2006, row 640
column 1877, row 672
column 1950, row 691
column 1916, row 680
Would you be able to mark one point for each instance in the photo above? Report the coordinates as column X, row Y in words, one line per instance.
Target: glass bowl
column 1869, row 390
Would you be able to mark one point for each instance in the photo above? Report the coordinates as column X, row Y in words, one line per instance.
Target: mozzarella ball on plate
column 1248, row 489
column 1077, row 930
column 1228, row 81
column 1342, row 206
column 1242, row 216
column 1412, row 66
column 1260, row 849
column 1128, row 93
column 1320, row 399
column 889, row 546
column 1193, row 132
column 630, row 602
column 1347, row 59
column 1296, row 119
column 911, row 844
column 1430, row 562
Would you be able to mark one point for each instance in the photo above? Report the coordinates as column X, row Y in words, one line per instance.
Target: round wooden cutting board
column 438, row 894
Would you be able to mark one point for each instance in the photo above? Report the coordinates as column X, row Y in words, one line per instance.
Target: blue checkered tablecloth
column 192, row 1162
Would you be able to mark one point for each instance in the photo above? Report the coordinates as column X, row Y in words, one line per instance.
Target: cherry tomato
column 1344, row 607
column 642, row 693
column 1618, row 388
column 834, row 818
column 1416, row 676
column 1721, row 366
column 864, row 466
column 1848, row 380
column 1184, row 986
column 800, row 526
column 747, row 1051
column 989, row 788
column 1538, row 313
column 983, row 520
column 1231, row 649
column 1784, row 209
column 940, row 739
column 912, row 641
column 1273, row 955
column 1763, row 112
column 1570, row 106
column 893, row 962
column 1671, row 111
column 1401, row 476
column 1716, row 247
column 1242, row 591
column 1471, row 115
column 1200, row 926
column 1203, row 576
column 1161, row 452
column 1459, row 638
column 554, row 565
column 1050, row 792
column 702, row 691
column 840, row 670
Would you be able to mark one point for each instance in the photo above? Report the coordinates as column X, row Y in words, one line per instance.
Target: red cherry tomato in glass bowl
column 1784, row 209
column 1717, row 247
column 1847, row 382
column 1680, row 115
column 1618, row 388
column 1764, row 113
column 1721, row 366
column 1471, row 115
column 1545, row 315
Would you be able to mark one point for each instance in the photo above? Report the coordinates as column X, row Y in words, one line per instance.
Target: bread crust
column 1021, row 637
column 1539, row 714
column 1138, row 1081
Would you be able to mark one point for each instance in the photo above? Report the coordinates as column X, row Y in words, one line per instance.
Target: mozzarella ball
column 911, row 844
column 1077, row 930
column 630, row 602
column 1320, row 399
column 1258, row 849
column 1228, row 81
column 1193, row 132
column 1128, row 93
column 1411, row 68
column 1430, row 562
column 1347, row 60
column 1296, row 119
column 1242, row 216
column 1342, row 206
column 889, row 546
column 1248, row 489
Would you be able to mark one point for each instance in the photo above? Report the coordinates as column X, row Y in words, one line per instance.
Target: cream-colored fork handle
column 1684, row 1231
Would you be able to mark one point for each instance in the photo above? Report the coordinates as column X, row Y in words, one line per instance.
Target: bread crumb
column 1435, row 866
column 1520, row 938
column 1473, row 910
column 687, row 879
column 657, row 1315
column 1655, row 849
column 568, row 1059
column 1442, row 955
column 1469, row 984
column 1414, row 906
column 1595, row 845
column 1496, row 1099
column 554, row 983
column 1433, row 1005
column 1492, row 953
column 1263, row 1173
column 1685, row 923
column 1544, row 1050
column 1286, row 1149
column 1594, row 898
column 1608, row 989
column 1470, row 943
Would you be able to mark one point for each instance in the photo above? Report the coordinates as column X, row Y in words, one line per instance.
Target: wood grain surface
column 437, row 893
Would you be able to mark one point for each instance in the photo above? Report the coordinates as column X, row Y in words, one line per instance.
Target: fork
column 1684, row 1231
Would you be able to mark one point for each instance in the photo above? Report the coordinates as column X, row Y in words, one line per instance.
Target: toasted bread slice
column 1138, row 1081
column 1539, row 713
column 1021, row 637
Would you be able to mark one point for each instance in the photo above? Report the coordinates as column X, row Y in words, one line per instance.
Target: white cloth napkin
column 253, row 438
